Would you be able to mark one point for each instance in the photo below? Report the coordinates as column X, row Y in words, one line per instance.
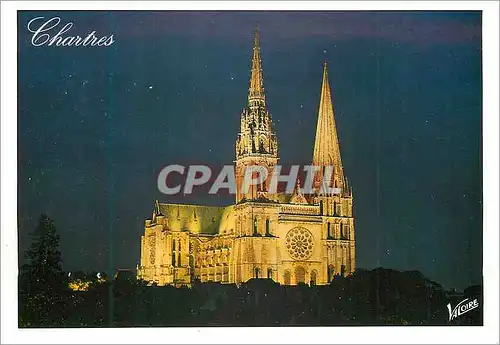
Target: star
column 232, row 78
column 150, row 87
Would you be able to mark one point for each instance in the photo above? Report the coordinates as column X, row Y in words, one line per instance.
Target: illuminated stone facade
column 288, row 238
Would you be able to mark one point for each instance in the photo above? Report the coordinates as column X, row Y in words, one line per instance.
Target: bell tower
column 326, row 155
column 256, row 143
column 336, row 205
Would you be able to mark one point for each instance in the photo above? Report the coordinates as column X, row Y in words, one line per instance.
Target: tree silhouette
column 44, row 255
column 41, row 280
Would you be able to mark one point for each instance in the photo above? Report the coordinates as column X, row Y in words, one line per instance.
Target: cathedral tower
column 336, row 207
column 256, row 143
column 326, row 147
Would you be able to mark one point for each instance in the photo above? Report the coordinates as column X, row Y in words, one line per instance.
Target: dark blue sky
column 96, row 124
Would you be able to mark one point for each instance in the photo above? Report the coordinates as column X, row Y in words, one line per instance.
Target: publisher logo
column 461, row 308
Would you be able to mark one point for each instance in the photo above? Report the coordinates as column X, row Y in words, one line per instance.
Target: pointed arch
column 314, row 277
column 300, row 275
column 287, row 278
column 256, row 272
column 331, row 273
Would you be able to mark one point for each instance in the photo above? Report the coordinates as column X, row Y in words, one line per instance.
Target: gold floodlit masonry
column 288, row 238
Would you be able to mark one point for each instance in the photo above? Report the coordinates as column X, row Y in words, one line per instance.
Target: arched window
column 270, row 273
column 179, row 253
column 173, row 253
column 329, row 230
column 314, row 276
column 342, row 270
column 262, row 149
column 331, row 273
column 341, row 231
column 321, row 207
column 286, row 278
column 255, row 226
column 300, row 275
column 268, row 228
column 256, row 272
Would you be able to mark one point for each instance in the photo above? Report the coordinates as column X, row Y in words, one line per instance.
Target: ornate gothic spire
column 256, row 135
column 256, row 90
column 256, row 143
column 326, row 146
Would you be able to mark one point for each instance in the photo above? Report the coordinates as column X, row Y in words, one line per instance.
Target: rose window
column 299, row 243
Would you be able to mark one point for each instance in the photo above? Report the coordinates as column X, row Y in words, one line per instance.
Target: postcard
column 190, row 169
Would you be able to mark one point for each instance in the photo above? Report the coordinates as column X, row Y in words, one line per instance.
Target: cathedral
column 289, row 238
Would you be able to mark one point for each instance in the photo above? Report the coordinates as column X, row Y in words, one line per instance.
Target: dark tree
column 41, row 281
column 44, row 256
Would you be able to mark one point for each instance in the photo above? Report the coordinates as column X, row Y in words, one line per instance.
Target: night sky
column 97, row 124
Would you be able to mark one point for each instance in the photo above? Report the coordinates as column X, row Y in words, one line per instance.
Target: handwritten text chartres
column 49, row 33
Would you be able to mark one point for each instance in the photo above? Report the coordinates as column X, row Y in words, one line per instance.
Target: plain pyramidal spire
column 326, row 145
column 256, row 90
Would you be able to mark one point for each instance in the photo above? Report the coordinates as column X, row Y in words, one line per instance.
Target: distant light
column 150, row 87
column 69, row 274
column 98, row 275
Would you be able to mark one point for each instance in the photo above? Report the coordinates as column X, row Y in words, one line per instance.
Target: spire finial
column 297, row 196
column 326, row 146
column 256, row 90
column 256, row 39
